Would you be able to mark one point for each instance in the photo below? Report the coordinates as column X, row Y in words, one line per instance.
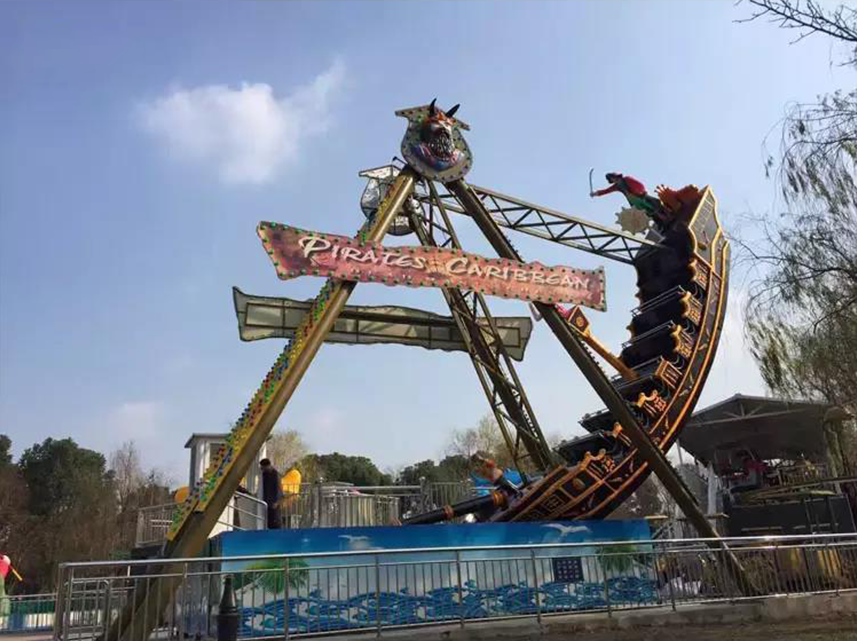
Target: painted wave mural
column 319, row 614
column 405, row 588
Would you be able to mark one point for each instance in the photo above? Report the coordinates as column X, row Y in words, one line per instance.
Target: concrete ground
column 803, row 618
column 819, row 630
column 814, row 630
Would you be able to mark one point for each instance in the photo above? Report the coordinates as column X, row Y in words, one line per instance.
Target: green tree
column 73, row 508
column 412, row 474
column 61, row 474
column 452, row 468
column 5, row 450
column 343, row 468
column 14, row 498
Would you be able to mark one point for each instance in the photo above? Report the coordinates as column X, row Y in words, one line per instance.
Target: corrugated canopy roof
column 772, row 428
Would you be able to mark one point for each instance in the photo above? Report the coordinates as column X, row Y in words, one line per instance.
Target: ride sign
column 296, row 252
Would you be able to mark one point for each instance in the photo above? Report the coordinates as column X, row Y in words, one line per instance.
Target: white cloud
column 138, row 421
column 247, row 134
column 359, row 542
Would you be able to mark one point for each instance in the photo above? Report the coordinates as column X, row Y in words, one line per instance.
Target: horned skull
column 433, row 144
column 436, row 136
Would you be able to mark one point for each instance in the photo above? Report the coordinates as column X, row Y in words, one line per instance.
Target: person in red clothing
column 634, row 191
column 563, row 311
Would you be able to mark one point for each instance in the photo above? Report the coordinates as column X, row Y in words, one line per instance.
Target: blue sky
column 143, row 142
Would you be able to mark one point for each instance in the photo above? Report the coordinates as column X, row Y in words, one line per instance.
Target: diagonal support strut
column 600, row 383
column 496, row 373
column 141, row 615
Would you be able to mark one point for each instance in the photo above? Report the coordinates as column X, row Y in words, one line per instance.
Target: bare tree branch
column 809, row 18
column 801, row 312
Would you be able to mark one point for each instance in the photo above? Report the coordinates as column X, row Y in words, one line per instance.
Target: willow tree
column 802, row 309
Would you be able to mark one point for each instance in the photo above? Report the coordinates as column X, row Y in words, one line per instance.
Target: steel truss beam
column 534, row 220
column 492, row 363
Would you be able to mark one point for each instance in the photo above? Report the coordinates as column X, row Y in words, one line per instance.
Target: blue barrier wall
column 351, row 591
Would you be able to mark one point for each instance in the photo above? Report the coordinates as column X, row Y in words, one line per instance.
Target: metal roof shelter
column 773, row 428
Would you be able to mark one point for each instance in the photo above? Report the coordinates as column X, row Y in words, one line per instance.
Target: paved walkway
column 815, row 630
column 820, row 630
column 805, row 618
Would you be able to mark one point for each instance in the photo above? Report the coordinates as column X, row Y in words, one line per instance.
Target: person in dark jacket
column 271, row 493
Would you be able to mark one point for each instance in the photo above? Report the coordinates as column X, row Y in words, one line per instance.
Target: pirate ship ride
column 682, row 271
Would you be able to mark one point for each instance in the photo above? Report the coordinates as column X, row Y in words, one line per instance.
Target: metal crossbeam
column 261, row 317
column 542, row 222
column 492, row 363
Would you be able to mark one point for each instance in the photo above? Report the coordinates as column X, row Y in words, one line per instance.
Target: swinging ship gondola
column 682, row 289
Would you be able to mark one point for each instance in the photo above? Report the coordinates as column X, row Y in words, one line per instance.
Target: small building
column 774, row 466
column 205, row 446
column 244, row 511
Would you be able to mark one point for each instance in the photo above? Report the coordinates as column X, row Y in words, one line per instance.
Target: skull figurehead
column 436, row 143
column 433, row 144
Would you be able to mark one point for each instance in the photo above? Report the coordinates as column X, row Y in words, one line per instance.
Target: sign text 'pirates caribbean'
column 296, row 252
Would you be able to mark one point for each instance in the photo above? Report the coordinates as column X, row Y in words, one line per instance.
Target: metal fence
column 667, row 527
column 27, row 612
column 344, row 505
column 789, row 475
column 153, row 522
column 288, row 595
column 318, row 505
column 244, row 512
column 338, row 505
